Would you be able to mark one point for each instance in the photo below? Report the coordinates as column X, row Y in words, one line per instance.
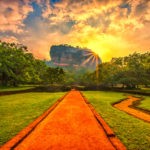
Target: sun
column 93, row 58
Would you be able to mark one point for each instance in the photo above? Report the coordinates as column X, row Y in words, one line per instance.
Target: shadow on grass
column 38, row 89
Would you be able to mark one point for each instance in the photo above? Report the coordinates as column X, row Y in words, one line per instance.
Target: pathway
column 125, row 105
column 72, row 125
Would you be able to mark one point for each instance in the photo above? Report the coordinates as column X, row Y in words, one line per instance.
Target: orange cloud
column 10, row 39
column 103, row 26
column 111, row 28
column 12, row 15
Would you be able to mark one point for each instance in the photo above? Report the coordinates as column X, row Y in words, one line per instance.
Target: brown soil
column 126, row 106
column 71, row 125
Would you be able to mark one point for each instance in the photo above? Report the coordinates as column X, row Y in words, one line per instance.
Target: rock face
column 68, row 56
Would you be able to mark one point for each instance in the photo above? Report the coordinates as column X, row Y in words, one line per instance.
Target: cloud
column 12, row 14
column 9, row 39
column 108, row 27
column 126, row 6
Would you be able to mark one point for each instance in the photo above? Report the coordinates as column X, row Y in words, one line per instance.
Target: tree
column 54, row 75
column 130, row 71
column 17, row 65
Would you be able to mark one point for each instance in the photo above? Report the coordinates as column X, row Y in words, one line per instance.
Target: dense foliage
column 18, row 66
column 128, row 72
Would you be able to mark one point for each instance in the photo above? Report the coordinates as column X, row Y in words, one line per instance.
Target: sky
column 111, row 28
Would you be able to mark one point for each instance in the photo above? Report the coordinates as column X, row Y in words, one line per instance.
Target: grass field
column 145, row 104
column 134, row 133
column 146, row 90
column 18, row 110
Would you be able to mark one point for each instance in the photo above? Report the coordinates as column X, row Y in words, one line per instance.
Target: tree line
column 18, row 66
column 126, row 72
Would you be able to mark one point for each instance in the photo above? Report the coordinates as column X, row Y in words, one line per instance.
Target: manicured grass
column 145, row 104
column 18, row 110
column 3, row 89
column 134, row 133
column 146, row 90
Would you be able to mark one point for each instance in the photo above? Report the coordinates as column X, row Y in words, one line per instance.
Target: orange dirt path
column 70, row 126
column 124, row 105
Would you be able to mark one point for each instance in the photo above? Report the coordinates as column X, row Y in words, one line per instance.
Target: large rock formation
column 67, row 56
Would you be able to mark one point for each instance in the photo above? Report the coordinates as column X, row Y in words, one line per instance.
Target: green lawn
column 145, row 104
column 146, row 90
column 134, row 133
column 18, row 110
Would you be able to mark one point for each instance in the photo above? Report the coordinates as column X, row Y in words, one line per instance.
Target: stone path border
column 127, row 106
column 71, row 123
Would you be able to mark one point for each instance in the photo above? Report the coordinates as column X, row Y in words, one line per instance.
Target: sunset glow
column 111, row 28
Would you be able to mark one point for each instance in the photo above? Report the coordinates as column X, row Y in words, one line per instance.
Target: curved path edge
column 27, row 130
column 109, row 132
column 127, row 105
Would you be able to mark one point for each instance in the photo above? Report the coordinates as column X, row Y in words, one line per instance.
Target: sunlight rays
column 93, row 59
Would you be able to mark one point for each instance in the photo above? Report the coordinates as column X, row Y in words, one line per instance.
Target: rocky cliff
column 68, row 56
